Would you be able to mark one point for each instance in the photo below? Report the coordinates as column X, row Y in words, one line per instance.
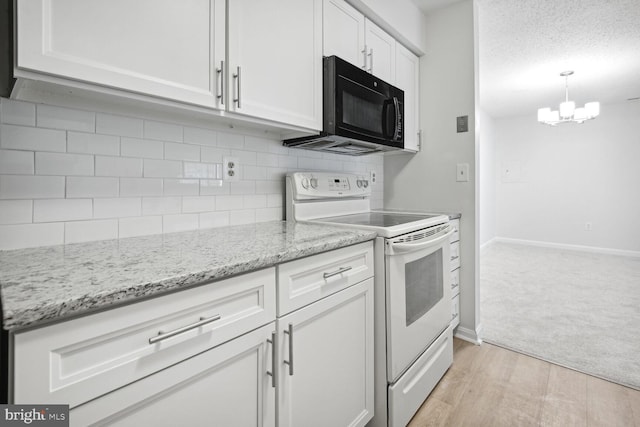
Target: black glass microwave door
column 361, row 110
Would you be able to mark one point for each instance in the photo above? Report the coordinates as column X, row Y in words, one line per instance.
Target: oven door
column 418, row 294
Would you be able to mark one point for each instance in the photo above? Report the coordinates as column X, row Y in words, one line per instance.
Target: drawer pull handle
column 274, row 365
column 164, row 335
column 289, row 362
column 335, row 273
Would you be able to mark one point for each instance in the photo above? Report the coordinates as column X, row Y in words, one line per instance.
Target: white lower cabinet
column 225, row 386
column 326, row 372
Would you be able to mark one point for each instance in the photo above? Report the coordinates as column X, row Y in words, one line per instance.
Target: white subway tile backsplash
column 227, row 203
column 244, row 216
column 267, row 159
column 255, row 201
column 275, row 200
column 92, row 143
column 254, row 172
column 290, row 162
column 202, row 170
column 30, row 235
column 181, row 187
column 162, row 168
column 176, row 151
column 210, row 187
column 259, row 145
column 16, row 162
column 130, row 187
column 213, row 155
column 31, row 187
column 182, row 222
column 200, row 136
column 92, row 187
column 163, row 131
column 17, row 112
column 48, row 116
column 245, row 157
column 269, row 187
column 198, row 204
column 230, row 140
column 118, row 166
column 161, row 205
column 214, row 219
column 117, row 207
column 86, row 231
column 147, row 149
column 27, row 138
column 269, row 214
column 139, row 226
column 16, row 211
column 119, row 125
column 64, row 164
column 242, row 187
column 54, row 210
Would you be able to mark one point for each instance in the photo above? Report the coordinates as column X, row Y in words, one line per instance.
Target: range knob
column 359, row 183
column 305, row 183
column 314, row 183
column 365, row 183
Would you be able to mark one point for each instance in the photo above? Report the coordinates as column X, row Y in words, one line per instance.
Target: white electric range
column 413, row 339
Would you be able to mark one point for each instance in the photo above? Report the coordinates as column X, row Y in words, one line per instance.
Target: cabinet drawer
column 75, row 361
column 455, row 255
column 455, row 282
column 306, row 280
column 455, row 311
column 455, row 223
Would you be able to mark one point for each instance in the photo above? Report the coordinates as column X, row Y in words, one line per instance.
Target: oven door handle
column 399, row 248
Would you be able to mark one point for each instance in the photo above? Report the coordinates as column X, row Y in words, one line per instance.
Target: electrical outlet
column 230, row 169
column 462, row 172
column 372, row 177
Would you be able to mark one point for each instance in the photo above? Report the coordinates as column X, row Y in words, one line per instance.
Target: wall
column 487, row 181
column 552, row 181
column 70, row 175
column 427, row 180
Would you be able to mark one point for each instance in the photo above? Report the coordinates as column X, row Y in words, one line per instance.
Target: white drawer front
column 306, row 280
column 455, row 282
column 455, row 223
column 74, row 361
column 455, row 255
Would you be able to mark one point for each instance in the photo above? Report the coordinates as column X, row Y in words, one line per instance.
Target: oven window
column 423, row 285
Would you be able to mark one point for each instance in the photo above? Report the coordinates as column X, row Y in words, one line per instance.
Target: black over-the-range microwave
column 361, row 113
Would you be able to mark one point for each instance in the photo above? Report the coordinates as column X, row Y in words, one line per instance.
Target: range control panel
column 319, row 185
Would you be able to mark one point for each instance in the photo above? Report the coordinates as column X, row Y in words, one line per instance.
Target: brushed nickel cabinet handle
column 335, row 273
column 370, row 55
column 220, row 72
column 164, row 335
column 273, row 373
column 237, row 77
column 289, row 362
column 364, row 57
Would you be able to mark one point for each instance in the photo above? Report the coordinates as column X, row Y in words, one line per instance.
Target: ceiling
column 524, row 45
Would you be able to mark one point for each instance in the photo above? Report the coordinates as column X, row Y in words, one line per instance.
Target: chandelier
column 568, row 111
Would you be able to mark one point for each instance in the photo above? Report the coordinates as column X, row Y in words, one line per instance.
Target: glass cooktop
column 378, row 219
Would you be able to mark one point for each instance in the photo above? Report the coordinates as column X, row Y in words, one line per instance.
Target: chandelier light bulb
column 567, row 111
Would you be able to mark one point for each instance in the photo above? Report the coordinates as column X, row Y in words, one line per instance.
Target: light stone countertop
column 51, row 283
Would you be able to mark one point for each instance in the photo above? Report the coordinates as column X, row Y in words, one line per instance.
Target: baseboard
column 488, row 243
column 469, row 335
column 592, row 249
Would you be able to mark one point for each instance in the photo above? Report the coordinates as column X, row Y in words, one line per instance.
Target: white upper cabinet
column 352, row 37
column 343, row 32
column 275, row 60
column 162, row 48
column 407, row 68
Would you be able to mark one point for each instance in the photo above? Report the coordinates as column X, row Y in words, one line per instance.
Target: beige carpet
column 576, row 309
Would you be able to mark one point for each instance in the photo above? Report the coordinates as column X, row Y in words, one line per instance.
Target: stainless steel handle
column 237, row 77
column 364, row 57
column 289, row 362
column 398, row 248
column 164, row 335
column 370, row 55
column 220, row 72
column 335, row 273
column 273, row 373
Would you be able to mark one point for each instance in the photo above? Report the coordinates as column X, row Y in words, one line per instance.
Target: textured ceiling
column 525, row 45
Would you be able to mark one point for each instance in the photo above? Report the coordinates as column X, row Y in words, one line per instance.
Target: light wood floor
column 491, row 386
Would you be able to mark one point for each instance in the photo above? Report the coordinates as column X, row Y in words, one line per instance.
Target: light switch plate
column 462, row 172
column 462, row 124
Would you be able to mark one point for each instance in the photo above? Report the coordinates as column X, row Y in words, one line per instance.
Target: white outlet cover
column 462, row 172
column 230, row 169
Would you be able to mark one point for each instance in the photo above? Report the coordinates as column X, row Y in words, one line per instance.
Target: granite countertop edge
column 79, row 300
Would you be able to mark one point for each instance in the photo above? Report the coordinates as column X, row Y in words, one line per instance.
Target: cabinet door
column 162, row 48
column 381, row 52
column 326, row 368
column 225, row 386
column 343, row 32
column 275, row 60
column 407, row 79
